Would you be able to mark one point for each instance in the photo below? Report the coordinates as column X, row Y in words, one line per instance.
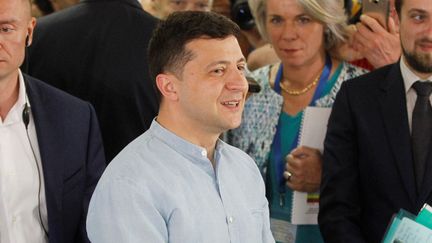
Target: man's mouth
column 231, row 103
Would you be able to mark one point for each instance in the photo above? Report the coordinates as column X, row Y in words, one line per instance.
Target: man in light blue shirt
column 178, row 182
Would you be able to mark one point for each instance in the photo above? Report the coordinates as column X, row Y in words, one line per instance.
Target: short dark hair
column 167, row 52
column 398, row 7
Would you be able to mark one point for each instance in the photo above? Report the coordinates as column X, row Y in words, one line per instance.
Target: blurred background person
column 261, row 52
column 96, row 50
column 51, row 153
column 371, row 45
column 162, row 8
column 304, row 35
column 377, row 156
column 44, row 7
column 224, row 7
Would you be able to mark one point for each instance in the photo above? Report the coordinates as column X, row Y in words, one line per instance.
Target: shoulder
column 373, row 78
column 262, row 75
column 140, row 159
column 52, row 98
column 351, row 71
column 94, row 11
column 239, row 158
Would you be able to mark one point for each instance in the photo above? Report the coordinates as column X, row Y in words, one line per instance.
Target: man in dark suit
column 96, row 50
column 51, row 153
column 374, row 164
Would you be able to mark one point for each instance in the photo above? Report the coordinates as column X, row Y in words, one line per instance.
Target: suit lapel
column 48, row 140
column 394, row 112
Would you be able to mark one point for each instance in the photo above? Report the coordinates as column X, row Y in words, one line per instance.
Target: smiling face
column 297, row 38
column 15, row 25
column 416, row 35
column 212, row 88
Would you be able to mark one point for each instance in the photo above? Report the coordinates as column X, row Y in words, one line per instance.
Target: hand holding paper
column 314, row 125
column 305, row 165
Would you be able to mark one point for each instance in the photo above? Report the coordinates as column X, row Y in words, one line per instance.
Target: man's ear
column 166, row 85
column 30, row 28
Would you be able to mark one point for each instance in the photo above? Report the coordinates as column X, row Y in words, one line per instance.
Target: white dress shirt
column 19, row 179
column 410, row 78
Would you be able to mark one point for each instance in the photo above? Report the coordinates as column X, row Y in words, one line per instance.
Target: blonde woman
column 304, row 34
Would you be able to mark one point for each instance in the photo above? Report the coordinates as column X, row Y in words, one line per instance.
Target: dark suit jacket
column 368, row 170
column 72, row 158
column 96, row 50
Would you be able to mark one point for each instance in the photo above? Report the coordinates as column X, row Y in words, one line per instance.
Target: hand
column 303, row 169
column 379, row 46
column 345, row 50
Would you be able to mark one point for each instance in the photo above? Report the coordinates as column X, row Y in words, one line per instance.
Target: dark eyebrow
column 242, row 59
column 417, row 10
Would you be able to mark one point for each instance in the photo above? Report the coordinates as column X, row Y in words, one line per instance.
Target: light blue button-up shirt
column 162, row 188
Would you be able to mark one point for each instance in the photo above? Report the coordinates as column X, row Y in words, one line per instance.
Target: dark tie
column 421, row 129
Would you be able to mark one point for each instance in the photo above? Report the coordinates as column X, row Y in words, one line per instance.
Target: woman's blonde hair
column 330, row 13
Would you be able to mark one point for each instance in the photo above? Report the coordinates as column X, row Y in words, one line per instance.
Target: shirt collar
column 408, row 76
column 181, row 145
column 15, row 113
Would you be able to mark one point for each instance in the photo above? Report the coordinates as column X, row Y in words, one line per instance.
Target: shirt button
column 230, row 219
column 204, row 153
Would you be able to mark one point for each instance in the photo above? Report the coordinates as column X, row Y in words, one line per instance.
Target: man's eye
column 6, row 29
column 418, row 17
column 218, row 71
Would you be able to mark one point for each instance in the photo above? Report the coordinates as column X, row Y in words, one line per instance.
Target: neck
column 301, row 76
column 9, row 89
column 188, row 130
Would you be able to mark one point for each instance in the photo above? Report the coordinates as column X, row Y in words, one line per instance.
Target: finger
column 299, row 152
column 364, row 33
column 287, row 175
column 291, row 185
column 304, row 151
column 372, row 23
column 294, row 184
column 289, row 167
column 392, row 26
column 292, row 163
column 351, row 29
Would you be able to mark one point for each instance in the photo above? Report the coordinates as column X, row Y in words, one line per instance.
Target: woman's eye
column 276, row 20
column 304, row 20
